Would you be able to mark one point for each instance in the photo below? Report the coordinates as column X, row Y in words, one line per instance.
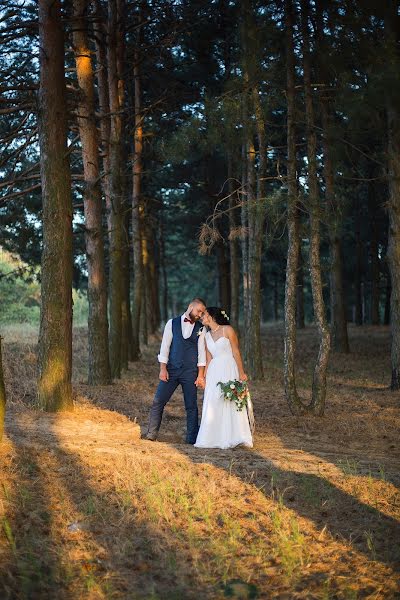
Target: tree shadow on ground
column 114, row 552
column 33, row 567
column 346, row 518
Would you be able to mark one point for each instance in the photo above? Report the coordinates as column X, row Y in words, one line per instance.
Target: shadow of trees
column 346, row 518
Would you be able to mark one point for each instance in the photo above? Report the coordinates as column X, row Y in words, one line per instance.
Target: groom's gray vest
column 183, row 354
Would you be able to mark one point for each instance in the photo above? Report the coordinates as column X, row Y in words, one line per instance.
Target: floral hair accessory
column 225, row 315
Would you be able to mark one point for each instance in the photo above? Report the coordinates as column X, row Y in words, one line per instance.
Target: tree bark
column 137, row 209
column 292, row 398
column 340, row 340
column 256, row 212
column 2, row 396
column 164, row 304
column 300, row 291
column 55, row 336
column 358, row 277
column 99, row 367
column 126, row 338
column 115, row 217
column 104, row 105
column 393, row 125
column 223, row 273
column 317, row 405
column 386, row 318
column 375, row 294
column 234, row 271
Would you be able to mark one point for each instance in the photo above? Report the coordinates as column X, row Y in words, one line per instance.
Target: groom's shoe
column 152, row 437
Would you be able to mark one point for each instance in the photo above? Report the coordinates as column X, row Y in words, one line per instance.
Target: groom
column 182, row 360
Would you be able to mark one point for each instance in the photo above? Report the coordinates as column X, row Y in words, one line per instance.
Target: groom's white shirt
column 187, row 330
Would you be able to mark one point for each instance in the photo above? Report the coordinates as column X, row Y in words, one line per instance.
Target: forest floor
column 88, row 510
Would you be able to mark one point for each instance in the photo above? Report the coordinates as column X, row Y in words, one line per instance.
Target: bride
column 222, row 425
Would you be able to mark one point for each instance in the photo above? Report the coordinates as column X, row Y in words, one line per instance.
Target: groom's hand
column 200, row 382
column 163, row 373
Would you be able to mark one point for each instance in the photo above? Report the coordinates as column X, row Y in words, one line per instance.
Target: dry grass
column 88, row 510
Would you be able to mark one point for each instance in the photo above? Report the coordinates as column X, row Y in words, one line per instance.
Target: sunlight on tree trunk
column 99, row 368
column 115, row 218
column 2, row 396
column 292, row 398
column 319, row 377
column 55, row 336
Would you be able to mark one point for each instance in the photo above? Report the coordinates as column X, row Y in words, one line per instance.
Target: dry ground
column 89, row 510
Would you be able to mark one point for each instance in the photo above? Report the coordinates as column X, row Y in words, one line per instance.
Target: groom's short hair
column 198, row 301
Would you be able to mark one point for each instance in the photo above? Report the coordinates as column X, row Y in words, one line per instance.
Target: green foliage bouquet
column 236, row 391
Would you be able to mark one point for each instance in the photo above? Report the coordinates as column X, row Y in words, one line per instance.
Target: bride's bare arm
column 208, row 359
column 231, row 335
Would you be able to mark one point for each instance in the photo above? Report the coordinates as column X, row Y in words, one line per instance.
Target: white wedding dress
column 222, row 425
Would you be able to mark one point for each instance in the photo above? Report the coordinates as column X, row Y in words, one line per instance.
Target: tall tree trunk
column 99, row 367
column 291, row 394
column 245, row 240
column 256, row 211
column 223, row 276
column 164, row 304
column 340, row 340
column 104, row 104
column 386, row 317
column 276, row 296
column 375, row 293
column 320, row 370
column 358, row 317
column 393, row 123
column 55, row 336
column 137, row 209
column 300, row 290
column 115, row 218
column 2, row 396
column 126, row 338
column 234, row 271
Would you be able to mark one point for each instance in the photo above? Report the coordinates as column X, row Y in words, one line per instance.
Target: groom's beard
column 193, row 318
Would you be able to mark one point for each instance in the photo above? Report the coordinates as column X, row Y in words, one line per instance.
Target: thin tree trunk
column 256, row 231
column 358, row 277
column 234, row 272
column 320, row 370
column 137, row 209
column 291, row 394
column 115, row 279
column 126, row 338
column 2, row 396
column 223, row 276
column 164, row 304
column 393, row 121
column 245, row 240
column 340, row 340
column 276, row 296
column 300, row 289
column 55, row 336
column 374, row 278
column 99, row 367
column 104, row 105
column 386, row 318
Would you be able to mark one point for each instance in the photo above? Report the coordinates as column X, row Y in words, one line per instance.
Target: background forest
column 246, row 152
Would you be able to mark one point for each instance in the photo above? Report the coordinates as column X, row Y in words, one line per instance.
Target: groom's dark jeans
column 165, row 389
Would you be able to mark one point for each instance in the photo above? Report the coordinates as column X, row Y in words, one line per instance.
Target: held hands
column 200, row 382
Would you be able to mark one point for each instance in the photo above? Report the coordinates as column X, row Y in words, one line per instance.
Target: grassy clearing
column 88, row 510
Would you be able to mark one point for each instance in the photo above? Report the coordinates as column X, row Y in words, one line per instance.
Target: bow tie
column 188, row 321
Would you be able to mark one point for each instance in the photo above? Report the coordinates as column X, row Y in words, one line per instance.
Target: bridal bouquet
column 237, row 392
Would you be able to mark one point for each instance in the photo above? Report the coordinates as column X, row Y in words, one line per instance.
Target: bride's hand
column 243, row 377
